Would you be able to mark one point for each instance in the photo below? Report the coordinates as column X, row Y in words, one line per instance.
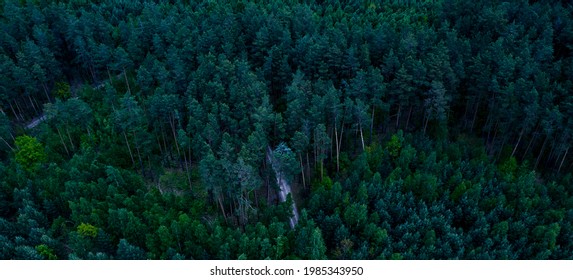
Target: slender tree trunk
column 138, row 155
column 159, row 144
column 552, row 153
column 165, row 142
column 466, row 121
column 94, row 78
column 126, row 82
column 267, row 181
column 322, row 169
column 73, row 148
column 187, row 170
column 315, row 149
column 361, row 138
column 33, row 105
column 501, row 149
column 63, row 142
column 332, row 144
column 12, row 149
column 13, row 111
column 38, row 105
column 308, row 166
column 530, row 142
column 172, row 123
column 302, row 171
column 234, row 206
column 541, row 152
column 46, row 92
column 517, row 144
column 336, row 142
column 129, row 148
column 408, row 119
column 109, row 75
column 426, row 120
column 563, row 160
column 372, row 123
column 19, row 109
column 222, row 208
column 339, row 147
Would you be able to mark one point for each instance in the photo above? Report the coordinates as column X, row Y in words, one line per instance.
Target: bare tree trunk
column 322, row 169
column 187, row 163
column 63, row 142
column 517, row 144
column 308, row 166
column 408, row 119
column 38, row 105
column 19, row 110
column 222, row 208
column 159, row 144
column 372, row 124
column 187, row 170
column 70, row 138
column 302, row 171
column 541, row 152
column 361, row 138
column 563, row 160
column 129, row 148
column 552, row 153
column 138, row 155
column 267, row 181
column 13, row 111
column 172, row 123
column 530, row 142
column 501, row 149
column 336, row 142
column 91, row 68
column 46, row 92
column 12, row 149
column 164, row 141
column 340, row 140
column 315, row 149
column 126, row 82
column 33, row 105
column 466, row 121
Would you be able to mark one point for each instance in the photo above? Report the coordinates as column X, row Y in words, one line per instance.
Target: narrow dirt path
column 285, row 188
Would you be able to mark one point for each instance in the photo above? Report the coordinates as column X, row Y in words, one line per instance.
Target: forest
column 268, row 129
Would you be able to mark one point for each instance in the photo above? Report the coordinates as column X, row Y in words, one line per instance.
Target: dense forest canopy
column 406, row 129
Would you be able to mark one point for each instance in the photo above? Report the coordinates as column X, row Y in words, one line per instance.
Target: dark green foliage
column 405, row 130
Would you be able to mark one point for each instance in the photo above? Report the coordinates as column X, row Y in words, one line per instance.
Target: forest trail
column 38, row 120
column 285, row 188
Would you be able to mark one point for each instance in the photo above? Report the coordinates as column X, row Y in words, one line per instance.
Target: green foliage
column 31, row 154
column 394, row 146
column 87, row 230
column 46, row 252
column 508, row 168
column 62, row 90
column 425, row 129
